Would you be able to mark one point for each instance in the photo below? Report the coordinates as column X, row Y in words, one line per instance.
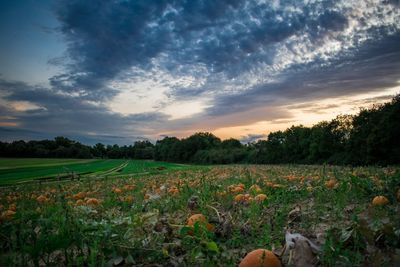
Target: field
column 139, row 216
column 22, row 170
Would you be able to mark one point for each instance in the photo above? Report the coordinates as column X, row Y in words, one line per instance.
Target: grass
column 141, row 219
column 18, row 170
column 12, row 163
column 29, row 171
column 141, row 166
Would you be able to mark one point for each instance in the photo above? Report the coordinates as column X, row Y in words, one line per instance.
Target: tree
column 99, row 150
column 231, row 143
column 196, row 142
column 168, row 149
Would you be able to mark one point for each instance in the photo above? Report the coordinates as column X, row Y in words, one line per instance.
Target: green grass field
column 19, row 170
column 12, row 163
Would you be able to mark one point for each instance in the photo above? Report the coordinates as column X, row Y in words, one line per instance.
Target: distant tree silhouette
column 370, row 137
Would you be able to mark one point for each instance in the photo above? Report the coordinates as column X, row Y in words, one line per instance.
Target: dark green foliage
column 62, row 147
column 375, row 135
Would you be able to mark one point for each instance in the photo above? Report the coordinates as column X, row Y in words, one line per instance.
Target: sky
column 121, row 71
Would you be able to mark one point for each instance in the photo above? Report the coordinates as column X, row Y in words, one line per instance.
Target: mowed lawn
column 16, row 170
column 12, row 163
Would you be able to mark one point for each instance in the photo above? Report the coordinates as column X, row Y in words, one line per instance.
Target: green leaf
column 212, row 246
column 186, row 230
column 129, row 259
column 165, row 252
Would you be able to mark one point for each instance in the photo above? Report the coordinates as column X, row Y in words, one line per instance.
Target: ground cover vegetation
column 207, row 216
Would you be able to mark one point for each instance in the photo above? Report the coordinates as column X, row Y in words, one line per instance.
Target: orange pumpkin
column 79, row 202
column 260, row 197
column 239, row 188
column 242, row 198
column 331, row 183
column 117, row 190
column 239, row 198
column 260, row 258
column 80, row 195
column 42, row 199
column 7, row 215
column 255, row 188
column 196, row 218
column 173, row 190
column 92, row 202
column 241, row 185
column 199, row 218
column 380, row 201
column 273, row 185
column 12, row 207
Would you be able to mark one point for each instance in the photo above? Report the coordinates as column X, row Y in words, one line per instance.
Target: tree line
column 62, row 147
column 370, row 137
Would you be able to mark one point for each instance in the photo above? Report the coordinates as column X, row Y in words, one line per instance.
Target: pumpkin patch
column 214, row 216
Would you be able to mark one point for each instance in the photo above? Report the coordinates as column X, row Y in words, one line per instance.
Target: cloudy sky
column 118, row 71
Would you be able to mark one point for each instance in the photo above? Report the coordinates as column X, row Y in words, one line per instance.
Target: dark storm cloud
column 373, row 67
column 105, row 38
column 247, row 57
column 71, row 116
column 9, row 134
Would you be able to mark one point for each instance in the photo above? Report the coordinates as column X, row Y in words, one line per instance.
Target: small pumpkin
column 92, row 202
column 273, row 185
column 260, row 197
column 238, row 198
column 80, row 195
column 255, row 188
column 79, row 202
column 331, row 183
column 13, row 207
column 237, row 189
column 42, row 199
column 380, row 201
column 242, row 198
column 196, row 218
column 173, row 190
column 7, row 215
column 199, row 218
column 117, row 190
